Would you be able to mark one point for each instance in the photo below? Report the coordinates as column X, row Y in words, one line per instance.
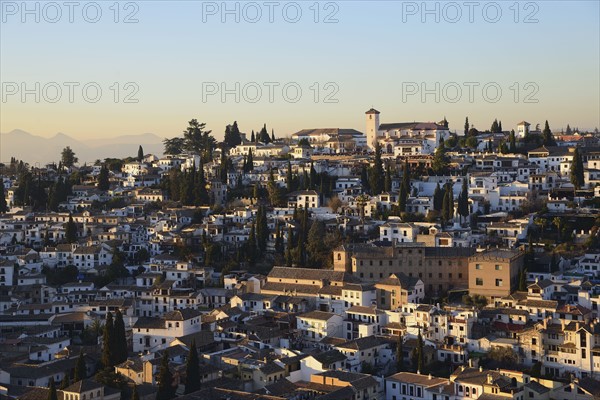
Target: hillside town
column 411, row 261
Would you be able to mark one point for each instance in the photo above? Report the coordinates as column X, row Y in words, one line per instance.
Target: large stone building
column 440, row 269
column 494, row 273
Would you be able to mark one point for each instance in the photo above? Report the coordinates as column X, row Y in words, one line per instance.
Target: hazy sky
column 176, row 59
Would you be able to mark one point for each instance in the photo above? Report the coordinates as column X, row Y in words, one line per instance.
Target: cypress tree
column 402, row 197
column 547, row 136
column 420, row 353
column 3, row 206
column 467, row 126
column 512, row 142
column 400, row 354
column 250, row 161
column 65, row 382
column 253, row 138
column 135, row 395
column 192, row 369
column 577, row 176
column 438, row 198
column 71, row 230
column 140, row 156
column 288, row 247
column 80, row 368
column 376, row 176
column 52, row 395
column 166, row 390
column 387, row 186
column 463, row 200
column 103, row 179
column 120, row 339
column 108, row 342
column 523, row 280
column 289, row 178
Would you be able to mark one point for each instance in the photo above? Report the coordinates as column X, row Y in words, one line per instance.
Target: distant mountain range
column 37, row 149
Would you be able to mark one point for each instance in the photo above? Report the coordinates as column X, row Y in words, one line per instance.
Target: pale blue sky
column 370, row 54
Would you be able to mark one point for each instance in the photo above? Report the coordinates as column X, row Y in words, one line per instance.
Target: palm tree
column 557, row 221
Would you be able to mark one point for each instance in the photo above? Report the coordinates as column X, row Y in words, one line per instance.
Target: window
column 498, row 267
column 477, row 266
column 498, row 282
column 479, row 281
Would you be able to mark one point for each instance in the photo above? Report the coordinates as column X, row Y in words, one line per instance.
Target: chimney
column 480, row 368
column 430, row 377
column 418, row 372
column 490, row 379
column 470, row 363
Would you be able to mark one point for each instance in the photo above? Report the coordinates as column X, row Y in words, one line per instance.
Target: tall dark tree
column 577, row 176
column 512, row 142
column 262, row 229
column 278, row 239
column 263, row 136
column 3, row 206
column 134, row 394
column 439, row 164
column 400, row 353
column 463, row 200
column 120, row 350
column 103, row 179
column 364, row 178
column 166, row 390
column 65, row 382
column 467, row 126
column 80, row 368
column 71, row 230
column 174, row 145
column 273, row 190
column 192, row 370
column 289, row 245
column 448, row 204
column 438, row 198
column 387, row 184
column 548, row 138
column 376, row 174
column 289, row 178
column 315, row 246
column 252, row 137
column 522, row 280
column 420, row 353
column 108, row 340
column 569, row 131
column 140, row 156
column 250, row 161
column 68, row 158
column 52, row 395
column 494, row 128
column 232, row 135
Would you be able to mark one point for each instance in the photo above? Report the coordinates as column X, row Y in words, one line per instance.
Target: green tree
column 467, row 126
column 108, row 342
column 439, row 163
column 494, row 128
column 135, row 395
column 80, row 368
column 252, row 137
column 376, row 176
column 192, row 370
column 448, row 204
column 166, row 390
column 263, row 136
column 400, row 353
column 120, row 350
column 577, row 177
column 420, row 353
column 249, row 161
column 71, row 230
column 173, row 146
column 523, row 280
column 548, row 138
column 68, row 158
column 273, row 190
column 289, row 178
column 103, row 179
column 438, row 198
column 387, row 185
column 65, row 382
column 315, row 246
column 262, row 229
column 3, row 206
column 512, row 142
column 232, row 135
column 52, row 395
column 198, row 140
column 463, row 200
column 140, row 155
